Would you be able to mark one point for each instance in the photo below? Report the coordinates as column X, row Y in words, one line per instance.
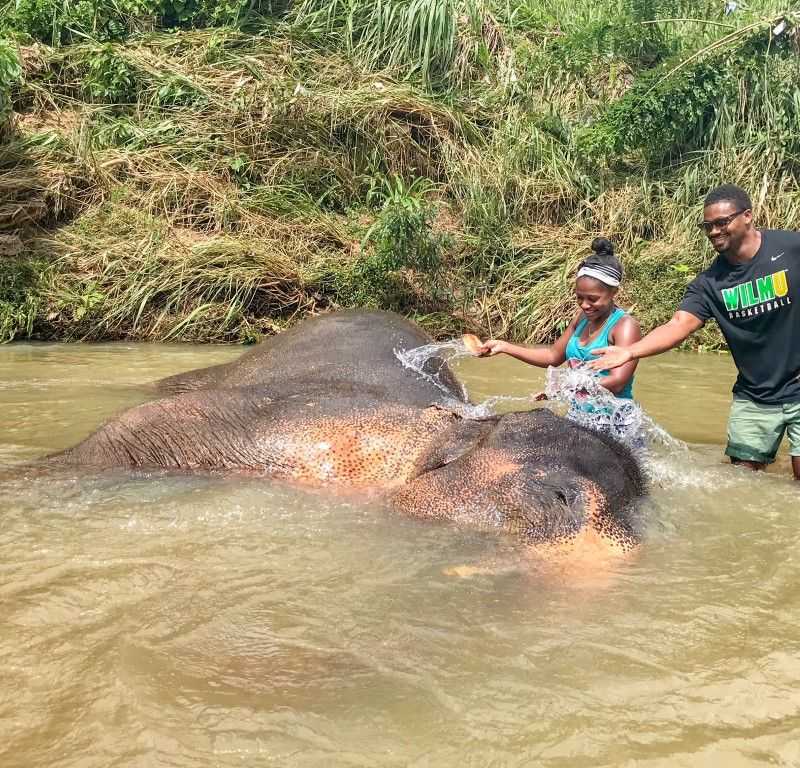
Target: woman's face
column 594, row 298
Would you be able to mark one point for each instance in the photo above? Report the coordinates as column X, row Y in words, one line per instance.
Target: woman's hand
column 493, row 347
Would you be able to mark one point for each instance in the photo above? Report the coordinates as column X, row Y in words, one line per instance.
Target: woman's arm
column 623, row 334
column 554, row 355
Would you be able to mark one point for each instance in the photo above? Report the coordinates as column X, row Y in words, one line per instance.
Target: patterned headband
column 603, row 273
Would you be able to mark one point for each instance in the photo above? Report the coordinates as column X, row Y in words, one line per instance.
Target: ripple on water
column 188, row 621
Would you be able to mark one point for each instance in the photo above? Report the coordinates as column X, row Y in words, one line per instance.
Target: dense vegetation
column 187, row 169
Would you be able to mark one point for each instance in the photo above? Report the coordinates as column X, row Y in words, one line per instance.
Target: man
column 753, row 291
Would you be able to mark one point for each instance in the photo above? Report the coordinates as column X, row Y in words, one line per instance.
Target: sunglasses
column 721, row 223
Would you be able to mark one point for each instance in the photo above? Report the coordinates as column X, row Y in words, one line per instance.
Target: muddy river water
column 208, row 621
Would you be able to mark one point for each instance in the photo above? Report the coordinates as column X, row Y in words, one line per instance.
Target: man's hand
column 610, row 357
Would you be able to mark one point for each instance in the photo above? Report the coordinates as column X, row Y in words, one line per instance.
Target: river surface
column 210, row 621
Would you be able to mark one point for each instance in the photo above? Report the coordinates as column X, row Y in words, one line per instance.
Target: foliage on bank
column 212, row 171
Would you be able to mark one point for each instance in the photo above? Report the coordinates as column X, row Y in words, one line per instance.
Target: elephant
column 328, row 404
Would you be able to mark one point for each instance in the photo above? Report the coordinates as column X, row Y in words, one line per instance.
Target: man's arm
column 680, row 327
column 624, row 334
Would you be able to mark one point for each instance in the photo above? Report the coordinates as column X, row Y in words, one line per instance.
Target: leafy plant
column 675, row 107
column 401, row 235
column 21, row 299
column 399, row 240
column 80, row 302
column 10, row 74
column 109, row 77
column 175, row 90
column 59, row 22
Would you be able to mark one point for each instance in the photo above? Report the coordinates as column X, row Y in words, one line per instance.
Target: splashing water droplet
column 588, row 402
column 592, row 405
column 428, row 361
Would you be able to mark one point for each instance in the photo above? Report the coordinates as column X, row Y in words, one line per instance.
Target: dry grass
column 212, row 185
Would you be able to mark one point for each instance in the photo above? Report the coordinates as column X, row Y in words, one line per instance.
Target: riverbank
column 216, row 184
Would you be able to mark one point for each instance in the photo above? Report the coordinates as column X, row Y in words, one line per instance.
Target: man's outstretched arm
column 681, row 326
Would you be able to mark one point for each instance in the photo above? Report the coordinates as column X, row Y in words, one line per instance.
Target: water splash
column 579, row 389
column 589, row 403
column 429, row 360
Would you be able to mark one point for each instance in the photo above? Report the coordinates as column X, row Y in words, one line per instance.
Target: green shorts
column 755, row 431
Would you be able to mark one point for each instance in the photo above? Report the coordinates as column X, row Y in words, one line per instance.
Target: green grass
column 451, row 160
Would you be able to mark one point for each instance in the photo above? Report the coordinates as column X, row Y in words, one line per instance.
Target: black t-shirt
column 757, row 306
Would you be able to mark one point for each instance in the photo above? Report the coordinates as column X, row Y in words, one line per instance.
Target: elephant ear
column 460, row 438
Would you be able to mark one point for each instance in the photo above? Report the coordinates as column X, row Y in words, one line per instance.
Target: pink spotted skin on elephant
column 328, row 404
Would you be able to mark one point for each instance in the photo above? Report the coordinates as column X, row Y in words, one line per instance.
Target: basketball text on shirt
column 755, row 297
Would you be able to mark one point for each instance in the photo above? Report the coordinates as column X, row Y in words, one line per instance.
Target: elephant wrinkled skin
column 329, row 404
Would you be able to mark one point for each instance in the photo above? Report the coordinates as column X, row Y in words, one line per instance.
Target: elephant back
column 356, row 347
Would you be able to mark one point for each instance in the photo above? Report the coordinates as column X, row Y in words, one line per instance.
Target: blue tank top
column 577, row 351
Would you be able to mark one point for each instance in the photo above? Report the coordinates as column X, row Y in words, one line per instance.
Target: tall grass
column 451, row 159
column 430, row 41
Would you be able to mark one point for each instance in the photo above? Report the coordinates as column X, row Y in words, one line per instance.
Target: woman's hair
column 602, row 262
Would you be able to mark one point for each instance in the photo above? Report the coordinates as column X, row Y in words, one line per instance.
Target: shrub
column 21, row 299
column 674, row 108
column 399, row 243
column 60, row 22
column 10, row 74
column 109, row 78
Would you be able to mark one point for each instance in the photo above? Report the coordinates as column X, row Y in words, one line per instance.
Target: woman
column 599, row 323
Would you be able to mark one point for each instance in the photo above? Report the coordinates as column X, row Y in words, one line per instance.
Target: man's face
column 726, row 225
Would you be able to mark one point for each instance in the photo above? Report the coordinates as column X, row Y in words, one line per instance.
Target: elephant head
column 532, row 474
